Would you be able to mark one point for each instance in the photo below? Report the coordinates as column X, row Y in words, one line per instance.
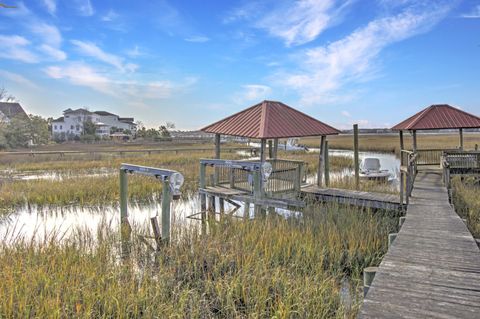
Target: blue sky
column 371, row 62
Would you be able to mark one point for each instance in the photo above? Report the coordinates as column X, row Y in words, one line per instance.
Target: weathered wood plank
column 432, row 270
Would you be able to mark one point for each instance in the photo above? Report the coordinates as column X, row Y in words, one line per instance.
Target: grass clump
column 263, row 268
column 466, row 198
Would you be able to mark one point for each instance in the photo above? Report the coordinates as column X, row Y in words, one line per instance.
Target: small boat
column 370, row 170
column 292, row 145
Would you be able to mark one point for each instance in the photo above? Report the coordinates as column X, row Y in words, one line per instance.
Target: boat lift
column 172, row 182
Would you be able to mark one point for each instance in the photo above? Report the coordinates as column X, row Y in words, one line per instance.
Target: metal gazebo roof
column 268, row 120
column 439, row 116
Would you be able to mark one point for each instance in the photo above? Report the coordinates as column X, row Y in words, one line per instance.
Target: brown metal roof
column 270, row 119
column 440, row 116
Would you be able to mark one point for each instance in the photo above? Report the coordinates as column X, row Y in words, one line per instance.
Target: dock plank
column 353, row 197
column 432, row 270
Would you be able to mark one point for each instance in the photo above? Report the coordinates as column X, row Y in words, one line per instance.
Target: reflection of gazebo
column 267, row 121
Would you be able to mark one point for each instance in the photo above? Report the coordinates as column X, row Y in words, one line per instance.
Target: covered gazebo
column 268, row 182
column 435, row 117
column 271, row 121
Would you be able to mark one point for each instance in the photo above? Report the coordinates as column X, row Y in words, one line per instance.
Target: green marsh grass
column 262, row 268
column 466, row 198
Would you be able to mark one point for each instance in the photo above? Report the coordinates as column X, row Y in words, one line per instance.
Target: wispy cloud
column 92, row 50
column 53, row 52
column 135, row 52
column 82, row 74
column 197, row 39
column 47, row 32
column 252, row 92
column 473, row 14
column 110, row 16
column 17, row 78
column 352, row 59
column 15, row 47
column 84, row 7
column 346, row 114
column 51, row 6
column 296, row 22
column 302, row 21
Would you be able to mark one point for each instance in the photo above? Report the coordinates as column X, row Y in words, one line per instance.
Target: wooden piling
column 368, row 276
column 123, row 196
column 401, row 220
column 203, row 199
column 321, row 158
column 391, row 238
column 166, row 200
column 327, row 166
column 355, row 156
column 270, row 149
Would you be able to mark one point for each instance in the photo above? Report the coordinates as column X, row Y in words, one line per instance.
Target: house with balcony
column 75, row 123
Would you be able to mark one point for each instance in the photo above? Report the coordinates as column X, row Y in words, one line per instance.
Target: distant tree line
column 163, row 131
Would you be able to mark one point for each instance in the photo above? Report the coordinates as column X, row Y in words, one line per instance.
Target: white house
column 72, row 123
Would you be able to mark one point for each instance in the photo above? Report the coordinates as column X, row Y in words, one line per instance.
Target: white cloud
column 82, row 74
column 110, row 16
column 198, row 39
column 49, row 33
column 84, row 7
column 352, row 59
column 51, row 6
column 346, row 114
column 252, row 92
column 302, row 21
column 15, row 47
column 295, row 22
column 135, row 52
column 92, row 50
column 473, row 14
column 14, row 77
column 54, row 53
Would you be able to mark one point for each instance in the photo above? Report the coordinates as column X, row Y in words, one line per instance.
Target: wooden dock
column 432, row 270
column 352, row 197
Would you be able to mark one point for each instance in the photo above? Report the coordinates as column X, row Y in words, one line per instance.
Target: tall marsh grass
column 262, row 268
column 466, row 198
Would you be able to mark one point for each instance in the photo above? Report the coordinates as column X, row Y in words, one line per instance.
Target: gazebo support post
column 460, row 131
column 327, row 166
column 402, row 174
column 321, row 161
column 217, row 146
column 415, row 149
column 355, row 156
column 217, row 156
column 275, row 148
column 270, row 149
column 258, row 181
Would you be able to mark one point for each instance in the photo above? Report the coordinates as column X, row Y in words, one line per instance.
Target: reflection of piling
column 368, row 276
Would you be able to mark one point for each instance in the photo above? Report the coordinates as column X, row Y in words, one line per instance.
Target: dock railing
column 432, row 156
column 278, row 176
column 408, row 172
column 458, row 162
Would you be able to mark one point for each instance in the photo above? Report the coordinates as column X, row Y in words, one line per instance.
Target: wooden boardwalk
column 432, row 270
column 352, row 197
